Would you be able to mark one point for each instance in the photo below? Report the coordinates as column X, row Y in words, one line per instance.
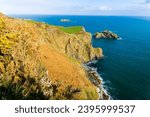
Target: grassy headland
column 41, row 61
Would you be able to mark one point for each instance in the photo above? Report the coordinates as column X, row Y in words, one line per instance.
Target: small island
column 106, row 34
column 65, row 20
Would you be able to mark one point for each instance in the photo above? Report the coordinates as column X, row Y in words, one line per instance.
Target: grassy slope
column 70, row 30
column 61, row 69
column 65, row 71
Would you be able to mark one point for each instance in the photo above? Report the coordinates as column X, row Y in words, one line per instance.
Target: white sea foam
column 120, row 38
column 102, row 86
column 93, row 61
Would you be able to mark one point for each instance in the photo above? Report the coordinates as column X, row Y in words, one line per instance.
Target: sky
column 77, row 7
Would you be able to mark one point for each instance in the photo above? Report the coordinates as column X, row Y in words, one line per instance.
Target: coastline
column 70, row 47
column 97, row 80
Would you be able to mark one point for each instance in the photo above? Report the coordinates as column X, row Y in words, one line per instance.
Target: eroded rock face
column 106, row 34
column 77, row 46
column 81, row 49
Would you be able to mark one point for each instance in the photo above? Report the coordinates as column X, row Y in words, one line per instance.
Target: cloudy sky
column 76, row 7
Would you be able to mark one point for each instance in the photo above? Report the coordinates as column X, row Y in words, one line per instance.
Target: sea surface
column 125, row 68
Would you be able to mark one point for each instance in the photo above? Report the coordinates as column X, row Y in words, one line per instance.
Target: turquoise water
column 126, row 65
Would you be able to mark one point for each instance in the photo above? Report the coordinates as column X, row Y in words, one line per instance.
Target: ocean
column 125, row 67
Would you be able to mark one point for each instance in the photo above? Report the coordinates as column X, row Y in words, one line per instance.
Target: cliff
column 41, row 61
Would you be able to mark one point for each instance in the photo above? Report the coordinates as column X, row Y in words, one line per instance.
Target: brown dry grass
column 65, row 71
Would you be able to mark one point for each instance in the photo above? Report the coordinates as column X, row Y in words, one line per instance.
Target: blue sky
column 77, row 7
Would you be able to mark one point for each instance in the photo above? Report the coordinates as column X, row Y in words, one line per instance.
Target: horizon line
column 80, row 15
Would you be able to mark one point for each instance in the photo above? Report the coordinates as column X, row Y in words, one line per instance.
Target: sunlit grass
column 71, row 30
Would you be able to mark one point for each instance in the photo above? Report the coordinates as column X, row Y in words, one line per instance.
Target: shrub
column 2, row 23
column 22, row 75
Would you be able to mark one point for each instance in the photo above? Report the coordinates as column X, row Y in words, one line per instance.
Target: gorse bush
column 21, row 72
column 6, row 43
column 2, row 24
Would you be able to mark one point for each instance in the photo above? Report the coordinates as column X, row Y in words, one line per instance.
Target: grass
column 32, row 21
column 62, row 69
column 71, row 30
column 2, row 23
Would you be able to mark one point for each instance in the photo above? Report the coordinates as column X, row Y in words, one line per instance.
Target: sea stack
column 106, row 34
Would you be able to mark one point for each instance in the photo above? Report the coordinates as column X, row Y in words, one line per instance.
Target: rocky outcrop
column 77, row 46
column 97, row 81
column 81, row 49
column 106, row 34
column 65, row 20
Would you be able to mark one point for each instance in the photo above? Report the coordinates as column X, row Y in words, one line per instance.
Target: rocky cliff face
column 40, row 61
column 77, row 46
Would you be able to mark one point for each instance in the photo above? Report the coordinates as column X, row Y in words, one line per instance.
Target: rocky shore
column 95, row 78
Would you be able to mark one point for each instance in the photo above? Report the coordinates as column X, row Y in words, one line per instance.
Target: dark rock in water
column 106, row 34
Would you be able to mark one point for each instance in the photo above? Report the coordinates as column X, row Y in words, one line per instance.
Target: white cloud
column 144, row 5
column 147, row 4
column 147, row 1
column 105, row 8
column 88, row 7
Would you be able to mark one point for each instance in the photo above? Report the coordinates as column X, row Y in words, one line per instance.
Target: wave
column 92, row 62
column 103, row 87
column 120, row 38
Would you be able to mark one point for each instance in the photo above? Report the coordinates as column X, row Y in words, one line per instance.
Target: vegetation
column 71, row 30
column 40, row 62
column 31, row 21
column 20, row 71
column 2, row 24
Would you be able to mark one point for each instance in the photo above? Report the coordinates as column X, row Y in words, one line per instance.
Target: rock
column 106, row 34
column 65, row 20
column 83, row 29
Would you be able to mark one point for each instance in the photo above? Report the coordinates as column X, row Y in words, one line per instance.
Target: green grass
column 32, row 21
column 71, row 30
